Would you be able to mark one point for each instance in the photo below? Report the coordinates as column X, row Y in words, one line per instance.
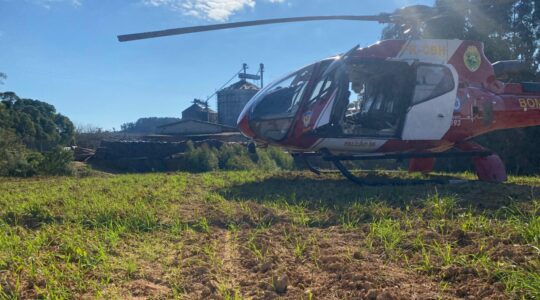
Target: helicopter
column 416, row 99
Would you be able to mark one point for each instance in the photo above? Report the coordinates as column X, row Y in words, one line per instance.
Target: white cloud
column 218, row 10
column 49, row 3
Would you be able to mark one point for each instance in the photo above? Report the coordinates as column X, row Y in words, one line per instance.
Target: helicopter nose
column 243, row 125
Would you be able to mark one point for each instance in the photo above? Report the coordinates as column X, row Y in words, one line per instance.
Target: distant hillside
column 147, row 125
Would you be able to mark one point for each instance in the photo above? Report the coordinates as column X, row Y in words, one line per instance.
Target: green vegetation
column 147, row 125
column 31, row 136
column 235, row 157
column 245, row 234
column 36, row 123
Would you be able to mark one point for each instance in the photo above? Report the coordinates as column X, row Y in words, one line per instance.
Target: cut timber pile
column 145, row 156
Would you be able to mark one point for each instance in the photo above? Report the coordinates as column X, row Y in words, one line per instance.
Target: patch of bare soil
column 285, row 262
column 143, row 289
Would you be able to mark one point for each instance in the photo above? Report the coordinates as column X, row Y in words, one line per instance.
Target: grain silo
column 231, row 100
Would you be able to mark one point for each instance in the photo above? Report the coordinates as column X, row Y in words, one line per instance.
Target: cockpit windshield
column 282, row 98
column 274, row 107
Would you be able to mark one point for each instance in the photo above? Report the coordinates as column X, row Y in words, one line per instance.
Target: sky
column 65, row 52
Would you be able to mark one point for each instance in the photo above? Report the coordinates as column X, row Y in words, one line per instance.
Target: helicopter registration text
column 529, row 103
column 360, row 144
column 430, row 50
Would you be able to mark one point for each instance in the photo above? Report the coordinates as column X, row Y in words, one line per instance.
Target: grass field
column 247, row 235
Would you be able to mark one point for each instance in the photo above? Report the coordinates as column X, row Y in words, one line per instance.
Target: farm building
column 231, row 100
column 199, row 112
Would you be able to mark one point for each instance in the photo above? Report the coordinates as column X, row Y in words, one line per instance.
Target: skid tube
column 337, row 161
column 311, row 167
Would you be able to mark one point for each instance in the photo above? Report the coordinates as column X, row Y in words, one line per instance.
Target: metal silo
column 231, row 100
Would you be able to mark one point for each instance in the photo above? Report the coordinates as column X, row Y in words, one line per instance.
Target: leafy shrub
column 283, row 160
column 27, row 165
column 240, row 162
column 235, row 157
column 17, row 160
column 265, row 162
column 56, row 162
column 202, row 159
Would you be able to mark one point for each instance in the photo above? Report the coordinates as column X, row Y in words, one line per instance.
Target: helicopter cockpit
column 372, row 97
column 275, row 107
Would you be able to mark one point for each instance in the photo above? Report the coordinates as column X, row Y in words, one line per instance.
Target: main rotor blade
column 382, row 18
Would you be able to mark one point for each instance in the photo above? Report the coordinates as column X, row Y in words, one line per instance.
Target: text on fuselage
column 529, row 103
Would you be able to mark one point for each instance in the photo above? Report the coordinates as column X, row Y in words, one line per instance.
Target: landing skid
column 310, row 166
column 382, row 182
column 338, row 159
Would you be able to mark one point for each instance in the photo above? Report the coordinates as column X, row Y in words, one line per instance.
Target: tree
column 36, row 123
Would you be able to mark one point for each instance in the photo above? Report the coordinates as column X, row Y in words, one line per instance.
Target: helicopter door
column 430, row 115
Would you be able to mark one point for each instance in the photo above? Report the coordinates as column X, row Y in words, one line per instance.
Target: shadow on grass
column 332, row 190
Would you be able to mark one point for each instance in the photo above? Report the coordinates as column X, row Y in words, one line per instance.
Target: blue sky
column 65, row 52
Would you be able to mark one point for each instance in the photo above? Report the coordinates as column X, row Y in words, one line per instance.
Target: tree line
column 147, row 125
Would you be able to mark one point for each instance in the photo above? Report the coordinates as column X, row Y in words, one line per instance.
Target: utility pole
column 261, row 66
column 245, row 67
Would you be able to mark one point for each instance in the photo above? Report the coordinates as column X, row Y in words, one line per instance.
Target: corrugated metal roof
column 199, row 108
column 242, row 85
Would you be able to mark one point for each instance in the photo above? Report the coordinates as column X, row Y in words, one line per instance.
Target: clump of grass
column 367, row 211
column 388, row 233
column 297, row 212
column 444, row 252
column 300, row 246
column 470, row 222
column 202, row 225
column 522, row 283
column 131, row 267
column 349, row 221
column 527, row 223
column 256, row 250
column 441, row 207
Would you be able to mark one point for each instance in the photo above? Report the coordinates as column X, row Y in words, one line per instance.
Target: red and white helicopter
column 397, row 99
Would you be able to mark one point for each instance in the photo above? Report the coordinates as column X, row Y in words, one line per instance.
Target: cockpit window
column 282, row 99
column 432, row 81
column 275, row 107
column 323, row 86
column 375, row 98
column 321, row 90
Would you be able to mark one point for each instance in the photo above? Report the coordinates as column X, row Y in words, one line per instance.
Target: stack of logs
column 145, row 156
